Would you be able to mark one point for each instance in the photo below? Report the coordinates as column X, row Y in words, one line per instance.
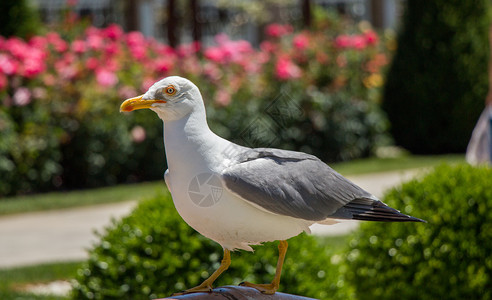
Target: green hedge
column 18, row 18
column 438, row 80
column 450, row 257
column 153, row 253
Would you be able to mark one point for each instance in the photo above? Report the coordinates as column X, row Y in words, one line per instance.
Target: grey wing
column 301, row 186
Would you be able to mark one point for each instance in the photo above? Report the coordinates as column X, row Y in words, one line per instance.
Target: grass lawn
column 14, row 280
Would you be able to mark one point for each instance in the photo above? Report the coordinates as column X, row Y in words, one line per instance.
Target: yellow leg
column 271, row 288
column 206, row 286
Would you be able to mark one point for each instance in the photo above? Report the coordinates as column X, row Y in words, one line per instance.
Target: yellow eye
column 170, row 90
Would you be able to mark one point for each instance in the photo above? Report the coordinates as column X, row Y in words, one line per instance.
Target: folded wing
column 302, row 186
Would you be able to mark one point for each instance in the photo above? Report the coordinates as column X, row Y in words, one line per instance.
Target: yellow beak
column 137, row 103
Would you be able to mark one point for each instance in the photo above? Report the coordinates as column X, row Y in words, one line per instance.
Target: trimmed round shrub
column 438, row 80
column 450, row 257
column 153, row 253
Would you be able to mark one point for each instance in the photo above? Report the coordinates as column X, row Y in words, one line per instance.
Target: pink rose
column 285, row 69
column 138, row 134
column 95, row 42
column 106, row 78
column 92, row 63
column 163, row 64
column 371, row 37
column 214, row 54
column 8, row 65
column 78, row 46
column 32, row 67
column 300, row 41
column 113, row 32
column 343, row 41
column 278, row 30
column 223, row 97
column 22, row 96
column 359, row 42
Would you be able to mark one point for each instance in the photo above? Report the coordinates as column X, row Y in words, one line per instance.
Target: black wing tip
column 395, row 218
column 377, row 211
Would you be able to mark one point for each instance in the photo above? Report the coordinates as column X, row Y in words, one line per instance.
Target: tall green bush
column 18, row 19
column 153, row 253
column 450, row 257
column 437, row 83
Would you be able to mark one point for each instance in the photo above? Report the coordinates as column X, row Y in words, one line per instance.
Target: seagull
column 239, row 196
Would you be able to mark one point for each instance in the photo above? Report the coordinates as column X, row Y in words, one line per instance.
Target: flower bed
column 314, row 91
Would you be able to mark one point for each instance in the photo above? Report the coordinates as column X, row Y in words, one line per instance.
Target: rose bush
column 60, row 96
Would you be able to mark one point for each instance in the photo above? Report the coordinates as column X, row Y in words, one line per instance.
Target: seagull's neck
column 189, row 141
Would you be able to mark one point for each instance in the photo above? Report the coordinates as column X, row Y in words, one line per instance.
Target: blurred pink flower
column 17, row 47
column 343, row 41
column 112, row 48
column 223, row 97
column 371, row 37
column 191, row 65
column 227, row 50
column 135, row 38
column 91, row 63
column 268, row 46
column 89, row 31
column 8, row 65
column 164, row 50
column 163, row 64
column 212, row 71
column 35, row 53
column 139, row 52
column 3, row 82
column 106, row 78
column 147, row 83
column 38, row 42
column 301, row 41
column 32, row 67
column 214, row 54
column 285, row 69
column 67, row 71
column 95, row 42
column 22, row 96
column 359, row 42
column 111, row 64
column 186, row 50
column 251, row 65
column 113, row 32
column 78, row 46
column 127, row 92
column 351, row 41
column 138, row 134
column 278, row 30
column 56, row 41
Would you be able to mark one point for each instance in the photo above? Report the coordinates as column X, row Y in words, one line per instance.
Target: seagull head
column 172, row 98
